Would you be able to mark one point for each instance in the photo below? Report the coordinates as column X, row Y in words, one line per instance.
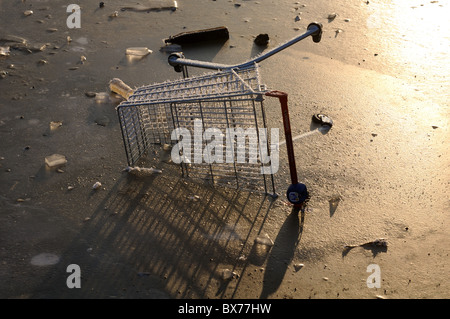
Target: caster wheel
column 297, row 193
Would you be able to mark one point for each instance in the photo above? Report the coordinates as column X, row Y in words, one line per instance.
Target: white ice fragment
column 194, row 197
column 4, row 51
column 45, row 259
column 102, row 97
column 55, row 160
column 167, row 147
column 55, row 124
column 242, row 258
column 298, row 266
column 138, row 51
column 116, row 85
column 142, row 171
column 264, row 240
column 227, row 274
column 96, row 186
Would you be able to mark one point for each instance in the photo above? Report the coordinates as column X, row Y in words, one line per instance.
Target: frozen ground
column 380, row 72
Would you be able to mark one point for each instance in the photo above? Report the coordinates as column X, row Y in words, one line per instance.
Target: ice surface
column 55, row 160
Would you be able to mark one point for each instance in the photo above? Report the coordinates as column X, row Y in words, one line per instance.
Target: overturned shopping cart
column 215, row 123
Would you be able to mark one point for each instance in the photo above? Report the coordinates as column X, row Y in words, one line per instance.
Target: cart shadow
column 282, row 252
column 157, row 237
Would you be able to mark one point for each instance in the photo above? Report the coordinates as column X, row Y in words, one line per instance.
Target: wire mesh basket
column 226, row 105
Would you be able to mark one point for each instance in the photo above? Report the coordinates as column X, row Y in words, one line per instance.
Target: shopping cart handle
column 177, row 59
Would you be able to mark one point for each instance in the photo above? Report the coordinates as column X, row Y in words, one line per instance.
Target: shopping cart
column 215, row 123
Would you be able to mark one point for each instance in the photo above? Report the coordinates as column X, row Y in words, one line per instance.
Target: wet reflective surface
column 382, row 171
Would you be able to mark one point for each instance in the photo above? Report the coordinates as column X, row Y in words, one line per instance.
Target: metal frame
column 231, row 97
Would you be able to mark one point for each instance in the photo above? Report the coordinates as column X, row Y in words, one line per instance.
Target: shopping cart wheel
column 322, row 119
column 176, row 55
column 297, row 194
column 317, row 36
